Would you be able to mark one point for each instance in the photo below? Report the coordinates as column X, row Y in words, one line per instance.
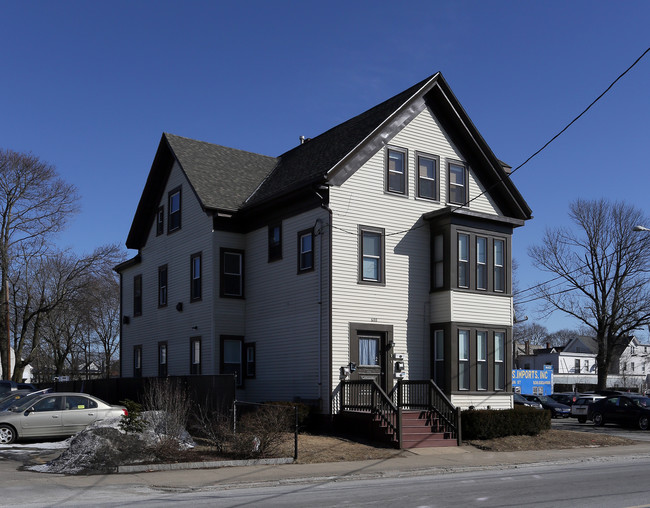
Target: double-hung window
column 463, row 260
column 438, row 261
column 160, row 221
column 463, row 359
column 427, row 177
column 305, row 251
column 162, row 359
column 396, row 171
column 232, row 273
column 499, row 360
column 137, row 295
column 457, row 184
column 174, row 208
column 275, row 242
column 439, row 358
column 250, row 360
column 195, row 356
column 499, row 266
column 371, row 267
column 481, row 263
column 195, row 277
column 231, row 356
column 162, row 286
column 481, row 360
column 137, row 361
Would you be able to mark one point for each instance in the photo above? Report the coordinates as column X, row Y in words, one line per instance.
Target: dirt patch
column 330, row 448
column 549, row 440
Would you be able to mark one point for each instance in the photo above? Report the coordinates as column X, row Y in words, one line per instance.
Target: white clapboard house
column 368, row 266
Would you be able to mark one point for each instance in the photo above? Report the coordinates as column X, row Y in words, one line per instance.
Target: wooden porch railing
column 425, row 395
column 366, row 395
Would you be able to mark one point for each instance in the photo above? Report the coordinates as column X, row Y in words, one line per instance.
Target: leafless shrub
column 168, row 405
column 214, row 426
column 263, row 432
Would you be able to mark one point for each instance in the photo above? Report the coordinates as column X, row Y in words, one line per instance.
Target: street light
column 640, row 228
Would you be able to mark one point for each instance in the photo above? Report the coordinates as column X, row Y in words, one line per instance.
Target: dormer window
column 174, row 218
column 396, row 170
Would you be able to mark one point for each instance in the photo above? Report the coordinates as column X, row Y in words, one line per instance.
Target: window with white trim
column 457, row 184
column 174, row 207
column 232, row 273
column 427, row 177
column 499, row 266
column 371, row 256
column 305, row 251
column 396, row 171
column 463, row 260
column 195, row 356
column 481, row 360
column 481, row 263
column 499, row 360
column 463, row 359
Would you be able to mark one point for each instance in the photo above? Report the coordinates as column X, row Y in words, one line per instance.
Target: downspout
column 319, row 232
column 324, row 206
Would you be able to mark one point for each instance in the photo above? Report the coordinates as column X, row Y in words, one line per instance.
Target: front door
column 368, row 351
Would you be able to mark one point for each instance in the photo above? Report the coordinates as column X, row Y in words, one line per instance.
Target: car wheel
column 7, row 434
column 582, row 420
column 598, row 419
column 643, row 423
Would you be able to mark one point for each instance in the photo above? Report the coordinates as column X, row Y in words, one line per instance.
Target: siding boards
column 160, row 324
column 404, row 300
column 487, row 309
column 282, row 315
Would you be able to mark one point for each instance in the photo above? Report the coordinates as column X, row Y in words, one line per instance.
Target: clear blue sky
column 91, row 86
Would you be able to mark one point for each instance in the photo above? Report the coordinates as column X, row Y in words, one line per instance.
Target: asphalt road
column 612, row 482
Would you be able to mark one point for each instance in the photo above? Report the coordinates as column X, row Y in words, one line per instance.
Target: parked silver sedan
column 54, row 414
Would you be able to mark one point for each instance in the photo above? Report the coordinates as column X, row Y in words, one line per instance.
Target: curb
column 145, row 468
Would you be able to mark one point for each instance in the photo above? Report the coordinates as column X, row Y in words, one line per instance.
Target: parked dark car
column 566, row 398
column 632, row 410
column 520, row 400
column 10, row 386
column 18, row 397
column 557, row 410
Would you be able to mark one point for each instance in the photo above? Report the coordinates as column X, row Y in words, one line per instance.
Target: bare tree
column 34, row 203
column 44, row 284
column 602, row 271
column 533, row 333
column 103, row 298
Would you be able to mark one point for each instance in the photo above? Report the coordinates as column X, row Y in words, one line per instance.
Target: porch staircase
column 422, row 429
column 420, row 415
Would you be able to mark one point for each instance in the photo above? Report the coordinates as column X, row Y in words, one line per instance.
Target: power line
column 611, row 85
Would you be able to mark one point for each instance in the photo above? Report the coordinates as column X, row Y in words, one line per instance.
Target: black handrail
column 366, row 395
column 425, row 395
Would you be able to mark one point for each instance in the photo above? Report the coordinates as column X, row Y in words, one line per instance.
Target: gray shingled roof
column 222, row 177
column 308, row 163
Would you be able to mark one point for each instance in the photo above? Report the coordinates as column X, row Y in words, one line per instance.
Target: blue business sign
column 533, row 382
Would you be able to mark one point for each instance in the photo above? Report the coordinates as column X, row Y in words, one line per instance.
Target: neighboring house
column 27, row 371
column 575, row 367
column 380, row 249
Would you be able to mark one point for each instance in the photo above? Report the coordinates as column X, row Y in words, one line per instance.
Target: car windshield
column 544, row 399
column 24, row 403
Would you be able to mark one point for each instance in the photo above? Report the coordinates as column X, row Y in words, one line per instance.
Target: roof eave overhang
column 156, row 181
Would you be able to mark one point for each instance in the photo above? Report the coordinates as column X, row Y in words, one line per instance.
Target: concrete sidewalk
column 419, row 462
